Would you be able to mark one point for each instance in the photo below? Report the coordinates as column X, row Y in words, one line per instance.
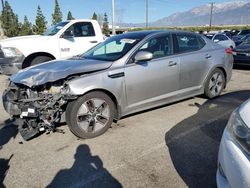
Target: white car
column 223, row 40
column 234, row 153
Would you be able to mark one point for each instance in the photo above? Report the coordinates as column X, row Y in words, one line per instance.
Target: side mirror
column 143, row 56
column 68, row 34
column 216, row 41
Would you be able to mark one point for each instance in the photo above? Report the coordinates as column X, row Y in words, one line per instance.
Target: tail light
column 229, row 51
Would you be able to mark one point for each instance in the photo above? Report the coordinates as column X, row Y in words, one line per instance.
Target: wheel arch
column 30, row 57
column 224, row 72
column 117, row 115
column 216, row 67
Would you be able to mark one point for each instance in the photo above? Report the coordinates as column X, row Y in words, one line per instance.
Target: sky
column 127, row 11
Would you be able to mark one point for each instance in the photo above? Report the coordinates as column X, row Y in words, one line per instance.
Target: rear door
column 84, row 38
column 195, row 58
column 148, row 82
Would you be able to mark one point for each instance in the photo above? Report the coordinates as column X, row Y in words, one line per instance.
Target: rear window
column 187, row 43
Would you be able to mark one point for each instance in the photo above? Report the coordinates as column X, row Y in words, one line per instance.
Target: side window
column 220, row 37
column 187, row 43
column 82, row 29
column 158, row 46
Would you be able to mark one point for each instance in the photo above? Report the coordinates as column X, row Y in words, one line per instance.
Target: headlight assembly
column 239, row 131
column 65, row 89
column 11, row 52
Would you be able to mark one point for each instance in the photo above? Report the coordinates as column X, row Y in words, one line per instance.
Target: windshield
column 113, row 48
column 54, row 29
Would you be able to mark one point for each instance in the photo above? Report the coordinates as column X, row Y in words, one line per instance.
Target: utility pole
column 113, row 17
column 211, row 14
column 146, row 13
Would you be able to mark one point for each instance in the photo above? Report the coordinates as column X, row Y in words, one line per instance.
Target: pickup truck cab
column 63, row 40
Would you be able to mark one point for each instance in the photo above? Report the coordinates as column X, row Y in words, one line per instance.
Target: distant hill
column 229, row 13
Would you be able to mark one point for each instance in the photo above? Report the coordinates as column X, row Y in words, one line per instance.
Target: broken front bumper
column 21, row 115
column 12, row 108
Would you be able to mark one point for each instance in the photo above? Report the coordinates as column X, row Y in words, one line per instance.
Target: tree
column 26, row 27
column 57, row 15
column 69, row 16
column 94, row 17
column 40, row 22
column 105, row 26
column 9, row 20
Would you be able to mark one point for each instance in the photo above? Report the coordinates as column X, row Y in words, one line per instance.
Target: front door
column 148, row 82
column 83, row 38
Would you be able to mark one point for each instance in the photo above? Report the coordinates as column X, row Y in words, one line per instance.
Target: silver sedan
column 123, row 75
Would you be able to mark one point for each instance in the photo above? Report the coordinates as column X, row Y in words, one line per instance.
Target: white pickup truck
column 66, row 39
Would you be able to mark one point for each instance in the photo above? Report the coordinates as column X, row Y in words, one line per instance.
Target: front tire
column 215, row 84
column 40, row 59
column 90, row 115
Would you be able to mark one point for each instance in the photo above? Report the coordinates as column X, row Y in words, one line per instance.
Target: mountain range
column 228, row 13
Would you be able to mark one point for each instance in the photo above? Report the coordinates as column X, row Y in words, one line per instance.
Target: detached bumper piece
column 27, row 129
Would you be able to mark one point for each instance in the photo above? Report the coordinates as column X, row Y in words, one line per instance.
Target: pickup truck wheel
column 90, row 115
column 40, row 59
column 215, row 84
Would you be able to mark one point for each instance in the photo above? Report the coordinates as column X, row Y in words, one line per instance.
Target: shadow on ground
column 87, row 171
column 194, row 143
column 4, row 166
column 8, row 130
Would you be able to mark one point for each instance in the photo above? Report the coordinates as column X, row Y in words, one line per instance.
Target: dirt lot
column 172, row 146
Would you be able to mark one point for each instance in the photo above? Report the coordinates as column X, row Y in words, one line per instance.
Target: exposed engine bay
column 37, row 109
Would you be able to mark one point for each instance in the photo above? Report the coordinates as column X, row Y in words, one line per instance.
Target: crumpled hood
column 55, row 70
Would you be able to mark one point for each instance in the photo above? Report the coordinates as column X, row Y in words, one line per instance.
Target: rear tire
column 40, row 59
column 215, row 84
column 90, row 115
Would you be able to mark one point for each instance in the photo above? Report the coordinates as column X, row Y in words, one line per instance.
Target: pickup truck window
column 82, row 29
column 54, row 29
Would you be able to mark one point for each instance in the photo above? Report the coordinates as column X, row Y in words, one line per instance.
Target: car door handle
column 93, row 41
column 207, row 56
column 171, row 63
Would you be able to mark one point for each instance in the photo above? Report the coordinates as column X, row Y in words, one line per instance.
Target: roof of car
column 144, row 33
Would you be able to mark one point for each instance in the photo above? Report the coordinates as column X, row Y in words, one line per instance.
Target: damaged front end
column 36, row 109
